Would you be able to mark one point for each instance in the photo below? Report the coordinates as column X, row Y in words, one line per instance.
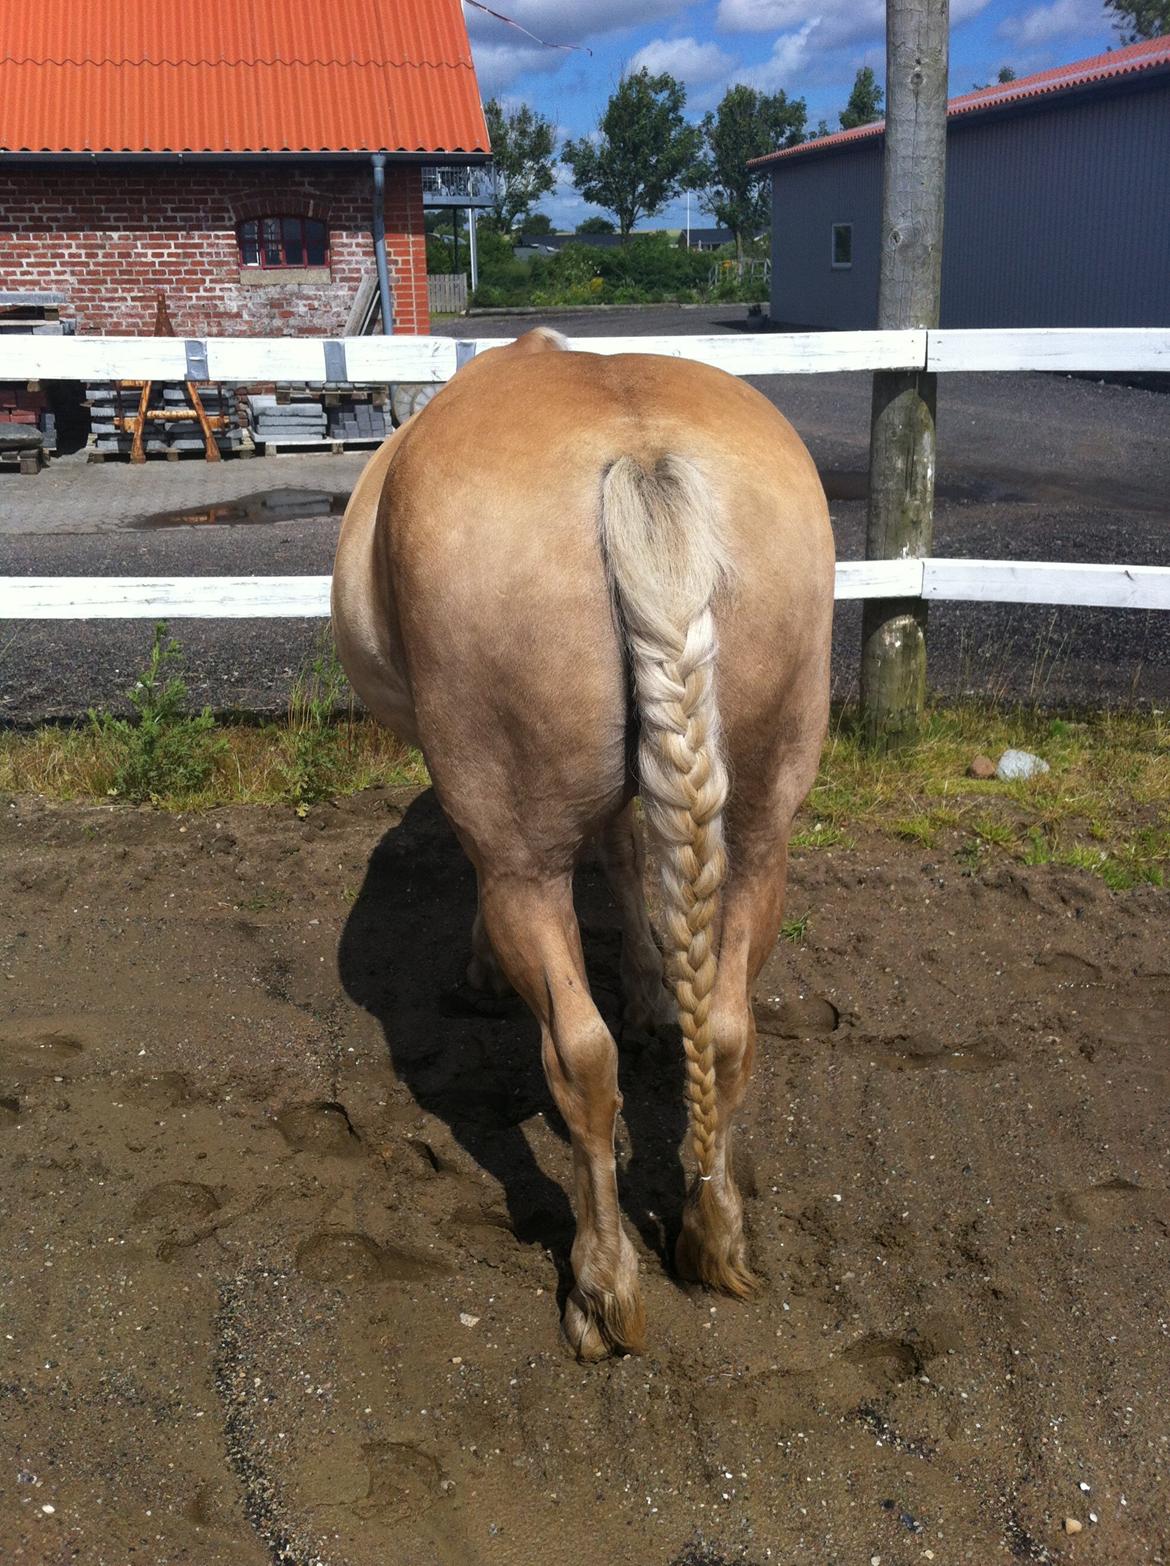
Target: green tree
column 596, row 225
column 747, row 124
column 1004, row 75
column 865, row 101
column 643, row 152
column 538, row 223
column 522, row 158
column 1137, row 20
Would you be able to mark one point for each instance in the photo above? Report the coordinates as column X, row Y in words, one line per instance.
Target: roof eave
column 1126, row 81
column 430, row 159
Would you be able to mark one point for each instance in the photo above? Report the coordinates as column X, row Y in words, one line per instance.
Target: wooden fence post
column 902, row 439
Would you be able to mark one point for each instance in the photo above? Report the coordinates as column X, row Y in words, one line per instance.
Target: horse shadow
column 475, row 1064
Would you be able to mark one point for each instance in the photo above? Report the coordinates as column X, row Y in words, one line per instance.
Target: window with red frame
column 275, row 242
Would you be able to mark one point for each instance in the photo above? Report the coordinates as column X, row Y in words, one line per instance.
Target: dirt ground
column 284, row 1219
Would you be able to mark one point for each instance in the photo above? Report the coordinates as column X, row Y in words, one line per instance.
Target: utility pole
column 902, row 432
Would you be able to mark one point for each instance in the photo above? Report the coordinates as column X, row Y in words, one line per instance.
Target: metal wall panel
column 1058, row 215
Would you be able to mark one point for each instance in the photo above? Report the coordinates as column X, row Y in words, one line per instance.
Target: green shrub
column 167, row 750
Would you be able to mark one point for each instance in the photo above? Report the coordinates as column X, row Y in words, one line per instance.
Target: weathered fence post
column 902, row 440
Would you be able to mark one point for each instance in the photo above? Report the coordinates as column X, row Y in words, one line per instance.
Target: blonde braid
column 684, row 788
column 666, row 558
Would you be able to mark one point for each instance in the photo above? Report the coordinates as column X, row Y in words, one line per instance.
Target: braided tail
column 666, row 558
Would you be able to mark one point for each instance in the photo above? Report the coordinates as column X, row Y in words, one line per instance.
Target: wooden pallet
column 31, row 460
column 337, row 448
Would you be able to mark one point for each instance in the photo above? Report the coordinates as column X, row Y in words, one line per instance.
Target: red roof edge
column 1151, row 54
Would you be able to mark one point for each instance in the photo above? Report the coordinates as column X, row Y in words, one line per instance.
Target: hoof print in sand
column 321, row 1127
column 40, row 1052
column 345, row 1258
column 797, row 1018
column 885, row 1362
column 1068, row 968
column 403, row 1480
column 1118, row 1202
column 176, row 1203
column 9, row 1111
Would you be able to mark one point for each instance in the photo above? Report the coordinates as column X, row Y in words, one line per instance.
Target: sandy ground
column 284, row 1222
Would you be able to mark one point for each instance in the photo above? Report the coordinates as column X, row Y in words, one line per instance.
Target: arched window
column 274, row 242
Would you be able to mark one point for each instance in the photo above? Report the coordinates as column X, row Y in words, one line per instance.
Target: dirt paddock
column 285, row 1226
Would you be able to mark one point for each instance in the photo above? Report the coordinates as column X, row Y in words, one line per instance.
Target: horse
column 572, row 579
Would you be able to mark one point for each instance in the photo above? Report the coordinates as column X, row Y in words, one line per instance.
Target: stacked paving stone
column 334, row 412
column 302, row 419
column 108, row 402
column 360, row 421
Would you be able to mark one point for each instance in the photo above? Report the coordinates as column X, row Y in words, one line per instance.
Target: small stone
column 1083, row 1487
column 467, row 1320
column 1019, row 764
column 981, row 767
column 1071, row 1525
column 48, row 1510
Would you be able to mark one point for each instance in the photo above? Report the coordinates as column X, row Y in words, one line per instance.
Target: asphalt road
column 1030, row 467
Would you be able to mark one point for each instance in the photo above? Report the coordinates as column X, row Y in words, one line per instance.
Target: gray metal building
column 1057, row 205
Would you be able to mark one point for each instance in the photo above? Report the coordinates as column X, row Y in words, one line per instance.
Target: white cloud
column 1061, row 19
column 691, row 61
column 498, row 65
column 787, row 62
column 837, row 21
column 502, row 53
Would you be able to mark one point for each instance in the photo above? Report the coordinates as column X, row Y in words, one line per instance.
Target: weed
column 316, row 742
column 167, row 750
column 916, row 829
column 795, row 930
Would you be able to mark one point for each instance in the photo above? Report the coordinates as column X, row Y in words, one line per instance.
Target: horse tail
column 666, row 559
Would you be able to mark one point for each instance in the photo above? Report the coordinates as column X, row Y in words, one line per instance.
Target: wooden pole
column 902, row 434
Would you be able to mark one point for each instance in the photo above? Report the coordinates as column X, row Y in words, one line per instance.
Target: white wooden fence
column 435, row 359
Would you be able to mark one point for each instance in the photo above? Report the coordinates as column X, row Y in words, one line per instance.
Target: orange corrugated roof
column 225, row 76
column 1148, row 55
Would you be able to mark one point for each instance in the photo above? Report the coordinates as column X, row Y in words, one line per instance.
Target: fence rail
column 375, row 360
column 435, row 359
column 307, row 597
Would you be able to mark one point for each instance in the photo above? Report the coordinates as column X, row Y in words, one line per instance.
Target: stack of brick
column 23, row 409
column 108, row 402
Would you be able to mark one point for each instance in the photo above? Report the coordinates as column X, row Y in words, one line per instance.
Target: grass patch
column 1104, row 806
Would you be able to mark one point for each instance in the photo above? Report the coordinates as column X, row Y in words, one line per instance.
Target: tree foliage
column 596, row 225
column 747, row 124
column 865, row 101
column 522, row 156
column 1137, row 20
column 643, row 151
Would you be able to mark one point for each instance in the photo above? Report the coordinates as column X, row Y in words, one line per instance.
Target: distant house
column 239, row 159
column 1057, row 205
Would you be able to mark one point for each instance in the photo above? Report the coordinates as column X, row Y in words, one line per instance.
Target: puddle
column 270, row 505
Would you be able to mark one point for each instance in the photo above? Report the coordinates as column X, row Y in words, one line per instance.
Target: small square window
column 276, row 243
column 842, row 244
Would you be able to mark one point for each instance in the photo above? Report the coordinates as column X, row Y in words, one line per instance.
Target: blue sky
column 810, row 53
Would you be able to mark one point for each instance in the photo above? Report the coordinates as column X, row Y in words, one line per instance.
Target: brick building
column 228, row 157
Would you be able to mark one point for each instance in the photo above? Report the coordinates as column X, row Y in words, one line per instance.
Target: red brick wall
column 111, row 239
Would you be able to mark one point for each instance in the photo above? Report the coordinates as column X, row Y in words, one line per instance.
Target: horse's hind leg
column 647, row 1002
column 483, row 971
column 534, row 934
